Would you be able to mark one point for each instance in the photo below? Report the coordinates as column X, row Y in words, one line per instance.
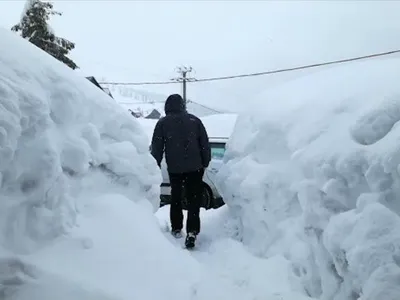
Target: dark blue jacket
column 182, row 137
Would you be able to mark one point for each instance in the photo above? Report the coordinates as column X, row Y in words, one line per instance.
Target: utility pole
column 183, row 71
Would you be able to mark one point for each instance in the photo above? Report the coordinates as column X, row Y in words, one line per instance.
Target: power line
column 299, row 67
column 261, row 73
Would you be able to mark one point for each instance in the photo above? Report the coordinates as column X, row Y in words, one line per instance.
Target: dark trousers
column 191, row 186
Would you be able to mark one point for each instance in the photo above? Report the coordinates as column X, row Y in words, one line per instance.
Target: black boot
column 176, row 233
column 190, row 240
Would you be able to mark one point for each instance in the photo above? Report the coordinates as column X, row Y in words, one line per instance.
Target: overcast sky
column 147, row 40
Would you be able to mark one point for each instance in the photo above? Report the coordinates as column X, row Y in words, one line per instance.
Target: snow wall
column 62, row 141
column 314, row 175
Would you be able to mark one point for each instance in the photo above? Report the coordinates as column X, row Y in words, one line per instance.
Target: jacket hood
column 174, row 104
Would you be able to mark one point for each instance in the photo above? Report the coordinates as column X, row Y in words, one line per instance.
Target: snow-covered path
column 229, row 259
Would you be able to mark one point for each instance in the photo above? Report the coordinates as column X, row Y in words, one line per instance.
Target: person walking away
column 184, row 140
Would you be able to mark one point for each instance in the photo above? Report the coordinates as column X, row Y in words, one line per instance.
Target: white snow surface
column 78, row 194
column 313, row 175
column 228, row 259
column 220, row 125
column 57, row 133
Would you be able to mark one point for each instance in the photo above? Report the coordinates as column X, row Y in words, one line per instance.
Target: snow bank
column 315, row 177
column 58, row 132
column 64, row 149
column 148, row 127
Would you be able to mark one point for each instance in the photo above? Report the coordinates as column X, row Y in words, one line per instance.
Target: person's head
column 174, row 104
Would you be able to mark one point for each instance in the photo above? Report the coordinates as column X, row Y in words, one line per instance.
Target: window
column 217, row 150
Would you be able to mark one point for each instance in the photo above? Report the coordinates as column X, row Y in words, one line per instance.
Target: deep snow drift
column 58, row 134
column 315, row 176
column 63, row 144
column 78, row 194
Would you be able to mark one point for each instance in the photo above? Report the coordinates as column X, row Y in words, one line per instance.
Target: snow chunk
column 377, row 123
column 366, row 251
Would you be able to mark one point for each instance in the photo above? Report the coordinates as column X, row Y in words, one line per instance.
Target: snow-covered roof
column 220, row 125
column 146, row 101
column 217, row 126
